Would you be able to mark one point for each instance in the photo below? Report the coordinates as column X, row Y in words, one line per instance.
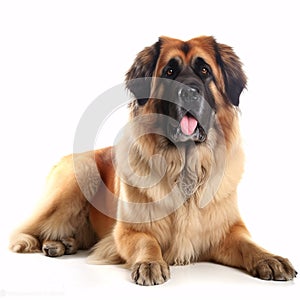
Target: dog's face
column 189, row 82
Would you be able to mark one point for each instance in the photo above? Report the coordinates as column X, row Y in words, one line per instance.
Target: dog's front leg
column 142, row 253
column 238, row 250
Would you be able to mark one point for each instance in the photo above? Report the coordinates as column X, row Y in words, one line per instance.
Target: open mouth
column 188, row 129
column 188, row 124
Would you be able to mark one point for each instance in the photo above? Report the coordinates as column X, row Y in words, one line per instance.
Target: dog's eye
column 204, row 71
column 169, row 72
column 202, row 68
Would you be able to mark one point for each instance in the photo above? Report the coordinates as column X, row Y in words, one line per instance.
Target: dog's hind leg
column 61, row 223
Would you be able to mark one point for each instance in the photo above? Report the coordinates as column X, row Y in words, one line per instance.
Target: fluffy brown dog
column 168, row 193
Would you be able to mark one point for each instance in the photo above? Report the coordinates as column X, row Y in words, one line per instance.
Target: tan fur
column 204, row 227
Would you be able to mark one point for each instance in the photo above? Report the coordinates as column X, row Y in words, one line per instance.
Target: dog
column 168, row 189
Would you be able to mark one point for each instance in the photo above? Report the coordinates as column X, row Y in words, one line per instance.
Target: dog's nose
column 188, row 94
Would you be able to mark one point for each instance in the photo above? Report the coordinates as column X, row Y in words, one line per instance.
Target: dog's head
column 187, row 81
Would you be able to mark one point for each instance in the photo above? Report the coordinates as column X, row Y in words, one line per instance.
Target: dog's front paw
column 274, row 268
column 150, row 273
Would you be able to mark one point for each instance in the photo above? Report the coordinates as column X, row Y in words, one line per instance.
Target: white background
column 56, row 57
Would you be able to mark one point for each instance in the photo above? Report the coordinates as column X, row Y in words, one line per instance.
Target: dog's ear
column 143, row 67
column 233, row 75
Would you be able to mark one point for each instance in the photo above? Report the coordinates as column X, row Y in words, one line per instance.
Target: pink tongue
column 188, row 125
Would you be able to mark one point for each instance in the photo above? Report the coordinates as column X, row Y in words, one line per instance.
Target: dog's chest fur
column 190, row 232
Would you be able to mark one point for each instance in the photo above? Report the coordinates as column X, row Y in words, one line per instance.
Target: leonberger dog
column 168, row 188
